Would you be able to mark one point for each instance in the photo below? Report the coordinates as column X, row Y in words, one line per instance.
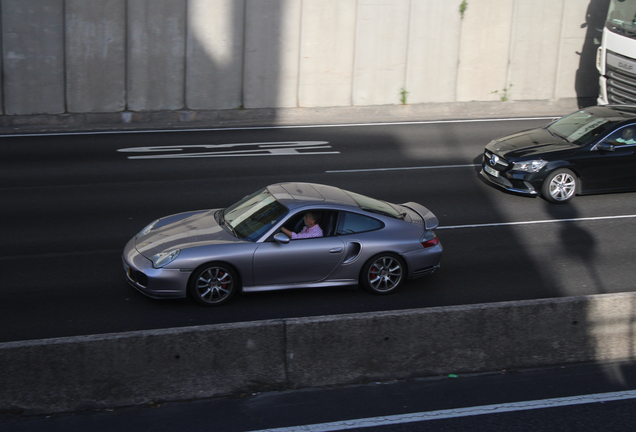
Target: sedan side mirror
column 606, row 146
column 281, row 238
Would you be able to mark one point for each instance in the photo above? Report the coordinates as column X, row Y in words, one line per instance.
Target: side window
column 624, row 136
column 325, row 219
column 350, row 223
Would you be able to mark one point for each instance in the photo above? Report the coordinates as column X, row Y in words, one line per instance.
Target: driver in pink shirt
column 311, row 229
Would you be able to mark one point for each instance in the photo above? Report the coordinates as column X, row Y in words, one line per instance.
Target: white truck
column 616, row 57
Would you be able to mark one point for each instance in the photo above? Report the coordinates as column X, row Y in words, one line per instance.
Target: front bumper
column 155, row 283
column 512, row 181
column 520, row 186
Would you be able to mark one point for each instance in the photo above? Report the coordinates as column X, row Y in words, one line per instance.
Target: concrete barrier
column 75, row 373
column 86, row 372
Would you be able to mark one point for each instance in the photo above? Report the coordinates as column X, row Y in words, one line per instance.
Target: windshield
column 580, row 128
column 375, row 206
column 253, row 215
column 621, row 18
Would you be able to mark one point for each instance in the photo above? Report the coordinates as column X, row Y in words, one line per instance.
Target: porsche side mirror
column 281, row 238
column 606, row 146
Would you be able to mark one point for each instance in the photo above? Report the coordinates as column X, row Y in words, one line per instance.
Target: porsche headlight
column 162, row 259
column 149, row 228
column 529, row 166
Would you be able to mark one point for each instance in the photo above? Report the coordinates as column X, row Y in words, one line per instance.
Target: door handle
column 335, row 250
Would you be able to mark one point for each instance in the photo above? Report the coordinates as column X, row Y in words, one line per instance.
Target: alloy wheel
column 562, row 186
column 214, row 285
column 385, row 274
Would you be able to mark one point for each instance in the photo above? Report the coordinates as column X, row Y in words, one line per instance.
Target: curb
column 271, row 117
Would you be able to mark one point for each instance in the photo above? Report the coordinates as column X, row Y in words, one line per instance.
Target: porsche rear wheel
column 213, row 284
column 383, row 274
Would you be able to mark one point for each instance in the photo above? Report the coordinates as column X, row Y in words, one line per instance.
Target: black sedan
column 590, row 151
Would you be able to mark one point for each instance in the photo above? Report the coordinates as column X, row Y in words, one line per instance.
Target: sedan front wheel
column 213, row 284
column 383, row 274
column 560, row 186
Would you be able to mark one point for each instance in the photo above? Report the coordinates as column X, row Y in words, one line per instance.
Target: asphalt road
column 587, row 398
column 71, row 202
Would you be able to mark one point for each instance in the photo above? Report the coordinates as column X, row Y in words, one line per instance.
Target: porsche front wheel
column 213, row 284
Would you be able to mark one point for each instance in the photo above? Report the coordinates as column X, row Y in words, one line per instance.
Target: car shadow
column 578, row 243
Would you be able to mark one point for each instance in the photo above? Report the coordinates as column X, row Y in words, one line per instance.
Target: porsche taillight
column 430, row 243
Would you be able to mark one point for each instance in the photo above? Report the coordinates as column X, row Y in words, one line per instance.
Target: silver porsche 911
column 338, row 238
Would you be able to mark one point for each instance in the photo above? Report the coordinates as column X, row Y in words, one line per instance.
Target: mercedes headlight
column 529, row 166
column 162, row 259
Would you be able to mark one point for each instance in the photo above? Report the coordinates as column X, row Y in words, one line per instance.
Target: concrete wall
column 214, row 56
column 95, row 56
column 327, row 53
column 272, row 46
column 434, row 43
column 185, row 363
column 33, row 56
column 100, row 56
column 484, row 49
column 156, row 54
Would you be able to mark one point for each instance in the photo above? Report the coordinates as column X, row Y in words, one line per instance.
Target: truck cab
column 616, row 57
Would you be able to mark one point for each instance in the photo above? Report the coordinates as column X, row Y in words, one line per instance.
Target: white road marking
column 216, row 129
column 402, row 168
column 282, row 148
column 460, row 412
column 537, row 222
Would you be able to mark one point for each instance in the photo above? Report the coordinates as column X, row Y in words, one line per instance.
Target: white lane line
column 536, row 222
column 216, row 129
column 402, row 168
column 460, row 412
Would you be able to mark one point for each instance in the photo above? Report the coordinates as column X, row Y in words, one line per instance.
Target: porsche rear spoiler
column 430, row 220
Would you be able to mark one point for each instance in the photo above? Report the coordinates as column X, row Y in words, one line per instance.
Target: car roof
column 302, row 194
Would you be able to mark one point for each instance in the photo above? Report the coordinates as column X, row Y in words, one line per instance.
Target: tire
column 213, row 284
column 560, row 186
column 383, row 274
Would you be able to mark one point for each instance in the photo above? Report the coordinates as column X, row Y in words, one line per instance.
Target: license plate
column 491, row 171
